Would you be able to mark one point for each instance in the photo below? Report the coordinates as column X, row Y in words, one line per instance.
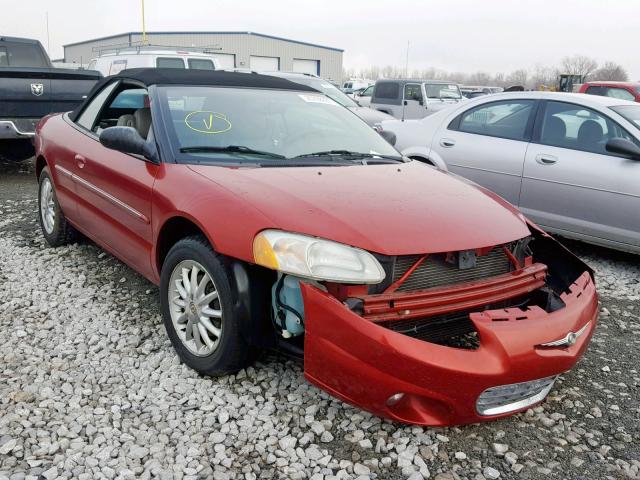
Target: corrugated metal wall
column 242, row 45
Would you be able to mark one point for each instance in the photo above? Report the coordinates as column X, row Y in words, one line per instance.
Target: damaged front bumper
column 520, row 352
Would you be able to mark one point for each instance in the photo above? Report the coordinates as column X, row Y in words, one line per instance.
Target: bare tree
column 579, row 65
column 610, row 71
column 543, row 76
column 518, row 77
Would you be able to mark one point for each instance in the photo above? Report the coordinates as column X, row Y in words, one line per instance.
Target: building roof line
column 124, row 34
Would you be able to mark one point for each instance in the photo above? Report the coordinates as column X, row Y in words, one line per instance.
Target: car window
column 200, row 64
column 367, row 92
column 283, row 122
column 387, row 90
column 567, row 125
column 22, row 55
column 324, row 87
column 442, row 90
column 166, row 62
column 412, row 91
column 621, row 93
column 117, row 66
column 4, row 58
column 87, row 118
column 630, row 112
column 508, row 119
column 595, row 90
column 131, row 98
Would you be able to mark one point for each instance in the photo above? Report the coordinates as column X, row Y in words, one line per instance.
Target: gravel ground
column 91, row 388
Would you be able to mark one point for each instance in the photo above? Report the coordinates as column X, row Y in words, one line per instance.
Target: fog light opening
column 394, row 399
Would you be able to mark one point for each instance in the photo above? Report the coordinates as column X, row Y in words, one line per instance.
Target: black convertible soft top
column 177, row 76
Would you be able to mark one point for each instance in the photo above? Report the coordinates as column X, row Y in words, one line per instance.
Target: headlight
column 315, row 258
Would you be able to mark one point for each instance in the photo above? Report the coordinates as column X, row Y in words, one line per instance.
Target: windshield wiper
column 350, row 155
column 230, row 149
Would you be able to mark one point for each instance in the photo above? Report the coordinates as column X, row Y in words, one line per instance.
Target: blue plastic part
column 291, row 296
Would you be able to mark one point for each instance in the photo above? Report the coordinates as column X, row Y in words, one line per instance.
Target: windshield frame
column 169, row 147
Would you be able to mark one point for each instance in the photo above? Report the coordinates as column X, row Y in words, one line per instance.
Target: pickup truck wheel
column 55, row 228
column 198, row 309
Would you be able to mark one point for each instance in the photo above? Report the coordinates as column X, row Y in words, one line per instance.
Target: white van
column 353, row 84
column 143, row 57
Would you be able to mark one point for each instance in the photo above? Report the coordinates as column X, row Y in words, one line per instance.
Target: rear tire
column 198, row 309
column 55, row 228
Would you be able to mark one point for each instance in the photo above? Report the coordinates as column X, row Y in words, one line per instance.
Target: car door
column 487, row 143
column 571, row 183
column 412, row 101
column 114, row 189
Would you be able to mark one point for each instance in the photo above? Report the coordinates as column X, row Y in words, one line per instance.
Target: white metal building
column 251, row 50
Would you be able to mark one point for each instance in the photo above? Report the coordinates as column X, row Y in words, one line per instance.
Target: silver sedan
column 570, row 162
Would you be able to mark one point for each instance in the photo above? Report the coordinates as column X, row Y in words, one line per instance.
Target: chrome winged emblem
column 37, row 89
column 569, row 339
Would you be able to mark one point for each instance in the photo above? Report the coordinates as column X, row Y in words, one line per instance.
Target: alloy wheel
column 195, row 308
column 47, row 206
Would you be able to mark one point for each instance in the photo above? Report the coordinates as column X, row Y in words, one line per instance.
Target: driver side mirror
column 126, row 140
column 622, row 146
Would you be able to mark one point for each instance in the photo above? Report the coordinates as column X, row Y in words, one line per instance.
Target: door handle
column 80, row 161
column 544, row 159
column 447, row 142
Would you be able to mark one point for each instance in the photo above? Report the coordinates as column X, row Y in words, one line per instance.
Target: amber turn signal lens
column 263, row 253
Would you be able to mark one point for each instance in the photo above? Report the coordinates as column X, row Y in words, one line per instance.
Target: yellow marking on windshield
column 214, row 122
column 210, row 124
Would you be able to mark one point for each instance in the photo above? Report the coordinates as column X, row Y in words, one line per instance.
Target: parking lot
column 90, row 387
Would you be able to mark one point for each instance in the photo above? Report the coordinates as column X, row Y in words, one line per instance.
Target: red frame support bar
column 438, row 300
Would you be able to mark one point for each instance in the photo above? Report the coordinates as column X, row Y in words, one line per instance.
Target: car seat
column 140, row 120
column 590, row 136
column 555, row 131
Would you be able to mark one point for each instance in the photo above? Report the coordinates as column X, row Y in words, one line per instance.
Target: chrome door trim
column 107, row 196
column 577, row 185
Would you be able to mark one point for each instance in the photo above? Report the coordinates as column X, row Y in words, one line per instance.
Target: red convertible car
column 273, row 218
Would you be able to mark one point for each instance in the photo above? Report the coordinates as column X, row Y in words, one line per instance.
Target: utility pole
column 48, row 41
column 406, row 64
column 144, row 30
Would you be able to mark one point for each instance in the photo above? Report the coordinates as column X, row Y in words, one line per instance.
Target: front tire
column 198, row 307
column 56, row 229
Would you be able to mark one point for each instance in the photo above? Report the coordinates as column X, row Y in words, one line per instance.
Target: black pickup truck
column 31, row 88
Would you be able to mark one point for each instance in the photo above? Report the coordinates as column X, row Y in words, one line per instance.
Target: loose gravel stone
column 90, row 388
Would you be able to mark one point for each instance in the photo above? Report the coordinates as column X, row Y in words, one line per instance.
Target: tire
column 56, row 230
column 16, row 150
column 231, row 352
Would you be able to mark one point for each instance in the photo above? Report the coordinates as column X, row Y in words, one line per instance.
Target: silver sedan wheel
column 196, row 311
column 47, row 206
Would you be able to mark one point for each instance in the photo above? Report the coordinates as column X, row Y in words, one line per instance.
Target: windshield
column 242, row 125
column 630, row 112
column 326, row 88
column 442, row 90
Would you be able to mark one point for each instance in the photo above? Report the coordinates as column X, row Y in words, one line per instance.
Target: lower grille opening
column 456, row 329
column 453, row 330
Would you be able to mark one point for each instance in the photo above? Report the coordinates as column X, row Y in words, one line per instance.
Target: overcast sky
column 455, row 35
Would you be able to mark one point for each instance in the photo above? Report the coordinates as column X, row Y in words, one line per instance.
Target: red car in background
column 622, row 90
column 272, row 217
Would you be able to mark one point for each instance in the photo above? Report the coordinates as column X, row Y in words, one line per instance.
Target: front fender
column 426, row 154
